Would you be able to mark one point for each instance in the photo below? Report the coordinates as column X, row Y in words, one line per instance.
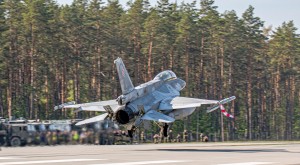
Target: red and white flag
column 225, row 112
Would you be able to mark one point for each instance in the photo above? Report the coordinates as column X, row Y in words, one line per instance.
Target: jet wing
column 92, row 106
column 183, row 102
column 93, row 119
column 157, row 116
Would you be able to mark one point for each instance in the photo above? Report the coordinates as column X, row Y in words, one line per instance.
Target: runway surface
column 259, row 153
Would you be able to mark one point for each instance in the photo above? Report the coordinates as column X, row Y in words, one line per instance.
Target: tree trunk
column 47, row 97
column 99, row 71
column 221, row 89
column 149, row 60
column 231, row 86
column 186, row 68
column 1, row 103
column 292, row 102
column 31, row 58
column 9, row 108
column 276, row 103
column 63, row 87
column 249, row 98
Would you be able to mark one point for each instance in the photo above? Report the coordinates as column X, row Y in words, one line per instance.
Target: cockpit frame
column 165, row 75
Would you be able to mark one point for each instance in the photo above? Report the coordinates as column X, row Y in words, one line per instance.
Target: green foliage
column 50, row 54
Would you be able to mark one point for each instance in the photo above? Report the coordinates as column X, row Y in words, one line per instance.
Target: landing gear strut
column 130, row 133
column 163, row 128
column 166, row 126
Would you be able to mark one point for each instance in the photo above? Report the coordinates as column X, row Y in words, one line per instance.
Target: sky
column 272, row 12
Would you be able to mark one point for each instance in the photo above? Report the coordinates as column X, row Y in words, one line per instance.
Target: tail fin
column 124, row 78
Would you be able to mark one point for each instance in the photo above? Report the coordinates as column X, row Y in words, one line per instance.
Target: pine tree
column 132, row 22
column 209, row 29
column 114, row 44
column 150, row 37
column 252, row 39
column 232, row 59
column 284, row 53
column 11, row 52
column 3, row 28
column 165, row 59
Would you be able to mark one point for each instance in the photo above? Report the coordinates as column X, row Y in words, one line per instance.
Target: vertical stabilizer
column 124, row 78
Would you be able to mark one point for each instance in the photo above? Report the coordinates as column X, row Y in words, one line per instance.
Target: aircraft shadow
column 225, row 150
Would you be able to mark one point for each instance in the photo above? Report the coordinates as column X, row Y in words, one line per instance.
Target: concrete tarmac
column 239, row 153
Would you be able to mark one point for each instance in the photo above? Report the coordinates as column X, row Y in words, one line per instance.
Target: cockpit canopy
column 165, row 75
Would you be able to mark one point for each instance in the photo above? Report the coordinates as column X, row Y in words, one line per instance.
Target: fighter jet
column 157, row 100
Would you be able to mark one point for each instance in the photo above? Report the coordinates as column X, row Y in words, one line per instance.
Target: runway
column 239, row 153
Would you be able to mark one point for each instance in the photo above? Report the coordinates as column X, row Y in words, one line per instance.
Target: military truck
column 15, row 132
column 3, row 132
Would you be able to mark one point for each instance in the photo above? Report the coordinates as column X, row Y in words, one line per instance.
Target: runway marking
column 49, row 161
column 145, row 162
column 248, row 163
column 2, row 158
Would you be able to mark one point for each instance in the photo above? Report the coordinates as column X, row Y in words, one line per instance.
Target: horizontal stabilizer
column 92, row 106
column 183, row 102
column 97, row 108
column 157, row 116
column 93, row 119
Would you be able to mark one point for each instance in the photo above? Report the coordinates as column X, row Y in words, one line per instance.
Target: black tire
column 15, row 142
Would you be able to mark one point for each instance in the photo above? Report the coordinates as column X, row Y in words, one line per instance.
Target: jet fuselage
column 148, row 96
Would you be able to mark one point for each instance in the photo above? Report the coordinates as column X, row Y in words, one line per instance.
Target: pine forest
column 51, row 54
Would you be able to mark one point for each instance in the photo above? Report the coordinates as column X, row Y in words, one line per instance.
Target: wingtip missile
column 216, row 106
column 212, row 108
column 116, row 60
column 61, row 106
column 226, row 100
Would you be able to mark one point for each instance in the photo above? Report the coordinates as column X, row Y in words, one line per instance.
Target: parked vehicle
column 17, row 134
column 20, row 132
column 3, row 132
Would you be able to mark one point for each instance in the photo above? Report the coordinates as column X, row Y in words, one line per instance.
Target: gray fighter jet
column 157, row 100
